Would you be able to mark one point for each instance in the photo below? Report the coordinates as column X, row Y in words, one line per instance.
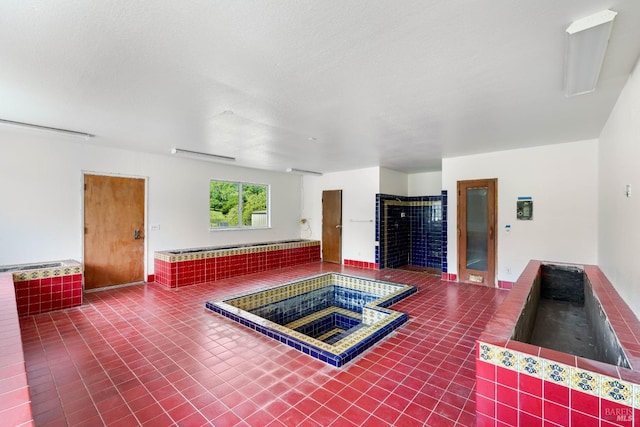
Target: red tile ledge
column 362, row 264
column 12, row 363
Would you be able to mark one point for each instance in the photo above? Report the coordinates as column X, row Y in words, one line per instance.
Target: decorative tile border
column 585, row 381
column 383, row 320
column 216, row 252
column 603, row 386
column 616, row 390
column 530, row 364
column 556, row 372
column 27, row 272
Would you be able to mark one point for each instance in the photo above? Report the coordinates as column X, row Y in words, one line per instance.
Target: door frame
column 492, row 255
column 146, row 222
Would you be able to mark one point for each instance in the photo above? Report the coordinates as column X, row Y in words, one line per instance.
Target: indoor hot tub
column 562, row 348
column 331, row 317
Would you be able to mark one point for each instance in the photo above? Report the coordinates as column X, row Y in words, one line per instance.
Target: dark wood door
column 332, row 226
column 477, row 219
column 113, row 230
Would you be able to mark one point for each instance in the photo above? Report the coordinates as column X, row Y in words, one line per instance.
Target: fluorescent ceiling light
column 587, row 42
column 46, row 128
column 200, row 155
column 308, row 172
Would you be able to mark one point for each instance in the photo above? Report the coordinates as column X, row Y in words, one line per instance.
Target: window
column 238, row 205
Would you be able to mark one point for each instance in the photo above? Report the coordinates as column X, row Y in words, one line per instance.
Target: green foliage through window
column 237, row 204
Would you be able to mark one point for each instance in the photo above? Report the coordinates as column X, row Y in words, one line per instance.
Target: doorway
column 332, row 226
column 114, row 212
column 477, row 219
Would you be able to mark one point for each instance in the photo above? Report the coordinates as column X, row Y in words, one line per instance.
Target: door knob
column 338, row 226
column 136, row 234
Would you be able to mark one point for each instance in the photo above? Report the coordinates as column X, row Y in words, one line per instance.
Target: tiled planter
column 39, row 290
column 523, row 384
column 175, row 268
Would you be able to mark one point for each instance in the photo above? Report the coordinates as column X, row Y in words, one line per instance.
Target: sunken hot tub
column 331, row 317
column 562, row 349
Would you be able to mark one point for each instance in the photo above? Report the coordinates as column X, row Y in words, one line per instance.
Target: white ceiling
column 324, row 85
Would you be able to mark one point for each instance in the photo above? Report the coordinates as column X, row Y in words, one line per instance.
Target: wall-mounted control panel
column 524, row 208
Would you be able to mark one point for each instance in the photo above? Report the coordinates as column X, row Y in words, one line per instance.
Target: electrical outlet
column 155, row 227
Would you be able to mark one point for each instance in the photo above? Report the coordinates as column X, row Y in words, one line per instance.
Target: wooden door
column 477, row 219
column 332, row 226
column 113, row 230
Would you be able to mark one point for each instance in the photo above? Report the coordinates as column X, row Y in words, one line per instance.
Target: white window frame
column 240, row 226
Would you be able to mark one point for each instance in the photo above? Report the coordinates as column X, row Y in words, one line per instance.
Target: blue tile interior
column 296, row 307
column 356, row 315
column 410, row 231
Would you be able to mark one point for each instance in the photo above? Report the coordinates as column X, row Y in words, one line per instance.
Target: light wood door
column 113, row 230
column 332, row 226
column 477, row 219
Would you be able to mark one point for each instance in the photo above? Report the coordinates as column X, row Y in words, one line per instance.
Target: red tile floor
column 146, row 355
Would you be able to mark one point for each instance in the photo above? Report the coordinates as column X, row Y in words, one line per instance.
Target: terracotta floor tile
column 142, row 350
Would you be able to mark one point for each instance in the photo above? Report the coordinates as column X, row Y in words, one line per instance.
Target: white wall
column 393, row 182
column 562, row 181
column 619, row 219
column 41, row 215
column 359, row 189
column 425, row 184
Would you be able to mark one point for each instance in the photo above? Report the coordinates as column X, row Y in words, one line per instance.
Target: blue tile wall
column 444, row 230
column 291, row 309
column 411, row 232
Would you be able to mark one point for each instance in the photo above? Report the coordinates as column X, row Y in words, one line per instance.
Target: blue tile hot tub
column 332, row 317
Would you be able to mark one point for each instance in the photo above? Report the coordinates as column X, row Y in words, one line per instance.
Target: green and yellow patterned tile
column 530, row 365
column 588, row 382
column 556, row 372
column 487, row 352
column 507, row 359
column 616, row 390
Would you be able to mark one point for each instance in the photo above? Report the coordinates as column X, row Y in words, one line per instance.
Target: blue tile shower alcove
column 411, row 231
